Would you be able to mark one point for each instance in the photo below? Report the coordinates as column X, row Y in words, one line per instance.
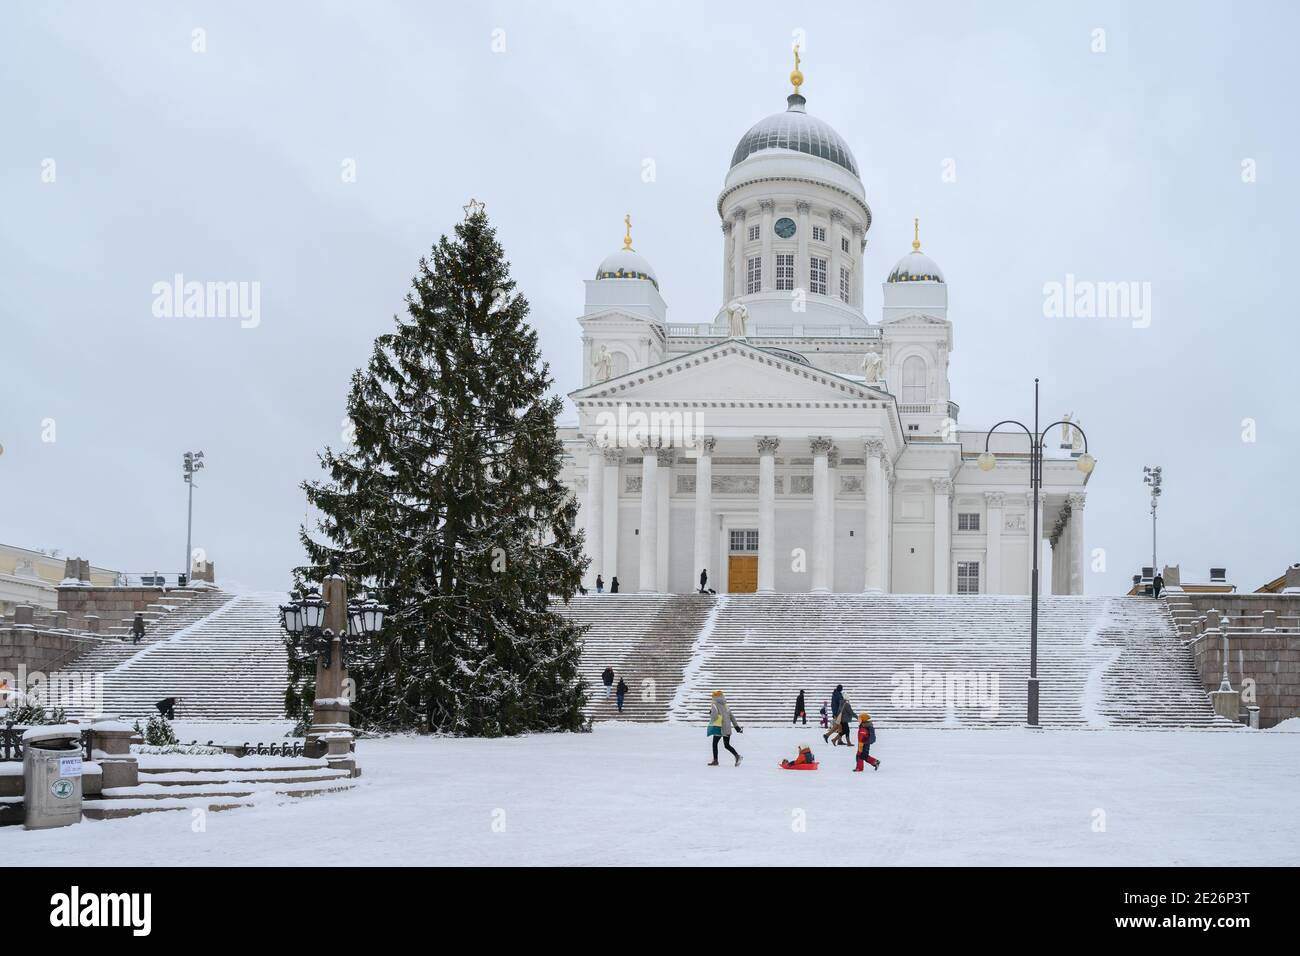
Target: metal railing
column 11, row 742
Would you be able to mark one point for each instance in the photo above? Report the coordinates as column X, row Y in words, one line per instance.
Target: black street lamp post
column 987, row 462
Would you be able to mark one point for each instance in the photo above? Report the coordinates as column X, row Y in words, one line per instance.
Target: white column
column 855, row 250
column 728, row 250
column 663, row 524
column 1034, row 543
column 1060, row 561
column 837, row 255
column 1077, row 554
column 993, row 542
column 942, row 535
column 767, row 447
column 801, row 272
column 595, row 512
column 609, row 562
column 704, row 514
column 821, row 521
column 832, row 489
column 765, row 235
column 873, row 452
column 738, row 239
column 886, row 525
column 649, row 546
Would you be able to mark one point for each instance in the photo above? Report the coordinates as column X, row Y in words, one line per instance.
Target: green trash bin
column 51, row 776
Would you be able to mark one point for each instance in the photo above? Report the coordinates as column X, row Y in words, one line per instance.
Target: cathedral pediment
column 730, row 371
column 915, row 319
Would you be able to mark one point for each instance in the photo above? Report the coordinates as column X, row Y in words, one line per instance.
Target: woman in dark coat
column 613, row 585
column 800, row 710
column 620, row 693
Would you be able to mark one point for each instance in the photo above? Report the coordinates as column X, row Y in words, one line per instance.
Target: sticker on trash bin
column 69, row 766
column 62, row 789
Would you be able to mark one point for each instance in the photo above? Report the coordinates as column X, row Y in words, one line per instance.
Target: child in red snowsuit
column 866, row 737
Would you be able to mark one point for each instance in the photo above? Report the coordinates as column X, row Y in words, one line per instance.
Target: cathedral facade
column 790, row 444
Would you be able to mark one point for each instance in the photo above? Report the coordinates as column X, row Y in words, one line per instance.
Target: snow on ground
column 630, row 794
column 270, row 732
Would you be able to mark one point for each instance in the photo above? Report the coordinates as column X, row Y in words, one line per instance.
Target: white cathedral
column 790, row 444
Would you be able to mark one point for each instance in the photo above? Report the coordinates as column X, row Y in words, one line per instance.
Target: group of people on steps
column 607, row 678
column 723, row 723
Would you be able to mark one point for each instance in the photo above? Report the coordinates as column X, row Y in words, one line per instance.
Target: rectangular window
column 968, row 521
column 754, row 275
column 819, row 233
column 784, row 272
column 817, row 276
column 968, row 577
column 753, row 233
column 744, row 539
column 846, row 288
column 844, row 243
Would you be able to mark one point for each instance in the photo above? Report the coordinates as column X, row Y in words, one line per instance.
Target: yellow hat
column 864, row 717
column 717, row 693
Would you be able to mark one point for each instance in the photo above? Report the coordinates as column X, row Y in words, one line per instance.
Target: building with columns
column 788, row 443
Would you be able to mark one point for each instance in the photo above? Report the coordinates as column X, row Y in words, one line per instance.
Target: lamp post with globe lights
column 987, row 462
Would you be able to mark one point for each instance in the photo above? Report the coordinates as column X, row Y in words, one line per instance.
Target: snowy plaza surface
column 644, row 795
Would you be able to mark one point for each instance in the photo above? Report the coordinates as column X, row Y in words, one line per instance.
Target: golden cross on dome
column 795, row 76
column 473, row 208
column 916, row 235
column 627, row 239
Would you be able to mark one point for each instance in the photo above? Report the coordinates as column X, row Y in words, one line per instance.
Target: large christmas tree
column 448, row 505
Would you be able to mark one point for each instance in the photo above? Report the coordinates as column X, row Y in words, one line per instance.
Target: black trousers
column 726, row 742
column 800, row 713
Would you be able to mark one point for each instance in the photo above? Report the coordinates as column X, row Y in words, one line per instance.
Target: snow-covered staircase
column 179, row 609
column 228, row 664
column 644, row 637
column 1102, row 661
column 183, row 782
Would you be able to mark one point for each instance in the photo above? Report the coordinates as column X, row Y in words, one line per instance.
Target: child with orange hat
column 866, row 737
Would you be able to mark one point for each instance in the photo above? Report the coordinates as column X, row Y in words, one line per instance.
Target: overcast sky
column 228, row 164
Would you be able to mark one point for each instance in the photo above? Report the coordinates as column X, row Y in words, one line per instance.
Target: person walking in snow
column 607, row 678
column 846, row 721
column 837, row 702
column 866, row 737
column 1157, row 585
column 825, row 723
column 167, row 707
column 137, row 628
column 600, row 584
column 704, row 581
column 613, row 586
column 620, row 693
column 721, row 723
column 800, row 710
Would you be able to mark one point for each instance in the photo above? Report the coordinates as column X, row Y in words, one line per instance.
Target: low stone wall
column 1268, row 663
column 1249, row 606
column 39, row 650
column 111, row 605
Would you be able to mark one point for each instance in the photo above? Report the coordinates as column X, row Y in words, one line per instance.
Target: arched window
column 915, row 391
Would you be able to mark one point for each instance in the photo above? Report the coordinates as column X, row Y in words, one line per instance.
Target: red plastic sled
column 798, row 766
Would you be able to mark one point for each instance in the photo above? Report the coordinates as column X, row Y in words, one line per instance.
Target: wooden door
column 742, row 573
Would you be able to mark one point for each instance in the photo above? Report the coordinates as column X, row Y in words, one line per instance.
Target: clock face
column 785, row 227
